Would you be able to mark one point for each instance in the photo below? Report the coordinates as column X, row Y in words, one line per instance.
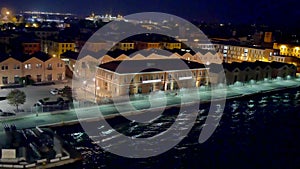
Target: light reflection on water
column 261, row 131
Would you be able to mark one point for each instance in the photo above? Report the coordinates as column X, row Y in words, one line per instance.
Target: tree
column 67, row 92
column 16, row 97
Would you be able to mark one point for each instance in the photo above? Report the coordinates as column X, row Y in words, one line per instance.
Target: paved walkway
column 33, row 94
column 31, row 120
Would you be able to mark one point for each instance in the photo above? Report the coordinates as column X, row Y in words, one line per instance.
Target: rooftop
column 136, row 66
column 23, row 57
column 216, row 68
column 70, row 55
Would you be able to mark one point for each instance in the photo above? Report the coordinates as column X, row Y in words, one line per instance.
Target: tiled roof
column 135, row 66
column 216, row 68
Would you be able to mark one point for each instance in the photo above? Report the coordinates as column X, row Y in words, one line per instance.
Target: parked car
column 55, row 91
column 7, row 114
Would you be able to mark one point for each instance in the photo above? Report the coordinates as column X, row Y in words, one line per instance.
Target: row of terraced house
column 38, row 67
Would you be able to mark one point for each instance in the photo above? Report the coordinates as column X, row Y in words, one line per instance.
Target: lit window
column 27, row 66
column 49, row 66
column 38, row 65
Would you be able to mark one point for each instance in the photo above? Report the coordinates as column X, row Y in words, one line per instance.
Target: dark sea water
column 257, row 132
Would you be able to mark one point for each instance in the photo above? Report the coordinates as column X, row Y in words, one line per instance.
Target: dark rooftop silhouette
column 135, row 66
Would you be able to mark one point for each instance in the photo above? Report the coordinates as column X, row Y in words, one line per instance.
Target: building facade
column 234, row 53
column 119, row 78
column 125, row 46
column 288, row 59
column 31, row 47
column 57, row 47
column 37, row 68
column 139, row 45
column 288, row 49
column 171, row 45
column 245, row 72
column 44, row 33
column 11, row 71
column 238, row 53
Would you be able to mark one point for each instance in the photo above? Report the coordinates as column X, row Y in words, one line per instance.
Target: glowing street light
column 85, row 89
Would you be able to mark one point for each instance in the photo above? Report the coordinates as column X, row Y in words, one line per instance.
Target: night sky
column 217, row 11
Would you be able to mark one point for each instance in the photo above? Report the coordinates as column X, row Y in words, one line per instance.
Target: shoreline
column 138, row 112
column 233, row 95
column 70, row 117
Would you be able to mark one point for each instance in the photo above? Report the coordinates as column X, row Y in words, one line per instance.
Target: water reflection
column 257, row 132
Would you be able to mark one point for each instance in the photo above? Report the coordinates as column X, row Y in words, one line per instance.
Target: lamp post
column 36, row 111
column 95, row 90
column 85, row 88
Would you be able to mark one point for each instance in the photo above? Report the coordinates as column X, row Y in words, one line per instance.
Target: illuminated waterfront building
column 119, row 78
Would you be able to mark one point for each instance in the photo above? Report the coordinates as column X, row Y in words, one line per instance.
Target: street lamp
column 95, row 92
column 96, row 89
column 85, row 88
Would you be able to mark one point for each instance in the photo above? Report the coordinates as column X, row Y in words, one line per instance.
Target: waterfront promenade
column 30, row 120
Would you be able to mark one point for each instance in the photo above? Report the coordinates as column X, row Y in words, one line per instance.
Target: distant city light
column 46, row 13
column 282, row 46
